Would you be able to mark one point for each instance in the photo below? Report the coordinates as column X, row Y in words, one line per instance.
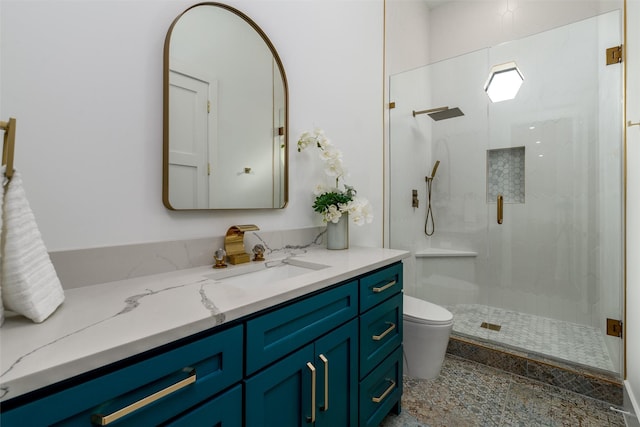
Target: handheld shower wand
column 435, row 168
column 429, row 180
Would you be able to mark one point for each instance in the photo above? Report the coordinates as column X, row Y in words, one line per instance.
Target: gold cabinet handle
column 313, row 392
column 103, row 420
column 382, row 335
column 386, row 392
column 500, row 208
column 326, row 382
column 385, row 287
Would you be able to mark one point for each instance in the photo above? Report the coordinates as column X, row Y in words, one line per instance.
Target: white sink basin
column 265, row 272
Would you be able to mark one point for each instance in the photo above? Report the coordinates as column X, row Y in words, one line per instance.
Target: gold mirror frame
column 280, row 133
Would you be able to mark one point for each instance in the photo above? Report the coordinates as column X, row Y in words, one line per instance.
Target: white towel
column 30, row 285
column 2, row 181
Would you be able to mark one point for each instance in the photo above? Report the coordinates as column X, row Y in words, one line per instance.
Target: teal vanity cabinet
column 314, row 380
column 331, row 358
column 195, row 379
column 380, row 344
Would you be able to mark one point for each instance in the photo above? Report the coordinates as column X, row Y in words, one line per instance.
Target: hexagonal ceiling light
column 504, row 82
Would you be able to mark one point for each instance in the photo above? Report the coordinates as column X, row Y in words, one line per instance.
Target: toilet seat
column 424, row 312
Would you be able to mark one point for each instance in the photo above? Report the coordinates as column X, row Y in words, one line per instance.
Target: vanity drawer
column 380, row 333
column 381, row 390
column 377, row 287
column 155, row 389
column 278, row 333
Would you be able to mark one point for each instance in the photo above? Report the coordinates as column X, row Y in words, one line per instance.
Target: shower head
column 446, row 114
column 440, row 113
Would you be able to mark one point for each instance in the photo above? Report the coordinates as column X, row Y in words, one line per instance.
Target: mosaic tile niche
column 505, row 174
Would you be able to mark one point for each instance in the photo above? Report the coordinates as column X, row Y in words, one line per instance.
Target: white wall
column 84, row 80
column 406, row 48
column 633, row 206
column 461, row 26
column 407, row 24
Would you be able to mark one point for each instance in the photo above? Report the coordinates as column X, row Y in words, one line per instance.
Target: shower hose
column 429, row 217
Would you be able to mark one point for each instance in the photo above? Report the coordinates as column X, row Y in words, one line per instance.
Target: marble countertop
column 104, row 323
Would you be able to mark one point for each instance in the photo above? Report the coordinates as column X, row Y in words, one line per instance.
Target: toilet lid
column 421, row 311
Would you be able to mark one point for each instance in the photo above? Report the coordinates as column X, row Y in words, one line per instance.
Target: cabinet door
column 222, row 411
column 337, row 377
column 281, row 394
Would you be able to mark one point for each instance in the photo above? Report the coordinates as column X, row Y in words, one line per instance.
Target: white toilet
column 427, row 327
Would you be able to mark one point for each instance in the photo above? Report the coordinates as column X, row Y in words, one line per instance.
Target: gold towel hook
column 8, row 145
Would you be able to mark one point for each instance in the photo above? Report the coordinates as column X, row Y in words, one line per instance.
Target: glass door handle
column 500, row 208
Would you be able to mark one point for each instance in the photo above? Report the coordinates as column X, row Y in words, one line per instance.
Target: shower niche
column 505, row 174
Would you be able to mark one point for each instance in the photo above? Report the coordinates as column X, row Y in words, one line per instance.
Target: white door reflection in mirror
column 190, row 135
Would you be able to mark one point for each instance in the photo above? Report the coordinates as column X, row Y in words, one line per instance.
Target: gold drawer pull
column 313, row 393
column 103, row 420
column 386, row 392
column 382, row 335
column 385, row 287
column 326, row 382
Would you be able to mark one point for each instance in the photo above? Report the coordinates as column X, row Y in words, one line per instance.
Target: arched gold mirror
column 225, row 113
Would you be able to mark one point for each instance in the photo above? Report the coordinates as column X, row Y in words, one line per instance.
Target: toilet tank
column 446, row 277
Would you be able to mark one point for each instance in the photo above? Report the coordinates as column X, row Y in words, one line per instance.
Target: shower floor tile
column 471, row 394
column 572, row 342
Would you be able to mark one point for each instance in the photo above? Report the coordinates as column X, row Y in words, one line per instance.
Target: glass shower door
column 553, row 264
column 550, row 268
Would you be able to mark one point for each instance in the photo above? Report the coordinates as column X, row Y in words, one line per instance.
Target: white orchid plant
column 332, row 202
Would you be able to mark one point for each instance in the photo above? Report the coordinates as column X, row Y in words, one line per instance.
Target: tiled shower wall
column 505, row 174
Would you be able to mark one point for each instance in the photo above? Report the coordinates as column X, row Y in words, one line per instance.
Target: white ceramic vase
column 338, row 233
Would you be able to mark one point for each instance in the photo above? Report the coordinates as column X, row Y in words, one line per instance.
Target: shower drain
column 490, row 326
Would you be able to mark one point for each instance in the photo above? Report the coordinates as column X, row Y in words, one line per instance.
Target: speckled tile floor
column 470, row 394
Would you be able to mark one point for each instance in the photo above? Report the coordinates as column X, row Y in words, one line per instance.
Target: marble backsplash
column 84, row 267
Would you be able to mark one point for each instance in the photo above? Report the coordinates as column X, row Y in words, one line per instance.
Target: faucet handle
column 258, row 251
column 219, row 256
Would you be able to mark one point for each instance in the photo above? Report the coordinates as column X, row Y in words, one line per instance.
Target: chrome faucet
column 234, row 243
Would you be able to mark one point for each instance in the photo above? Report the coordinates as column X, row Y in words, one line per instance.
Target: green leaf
column 323, row 201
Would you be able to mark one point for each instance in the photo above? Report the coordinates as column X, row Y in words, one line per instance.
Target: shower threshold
column 600, row 385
